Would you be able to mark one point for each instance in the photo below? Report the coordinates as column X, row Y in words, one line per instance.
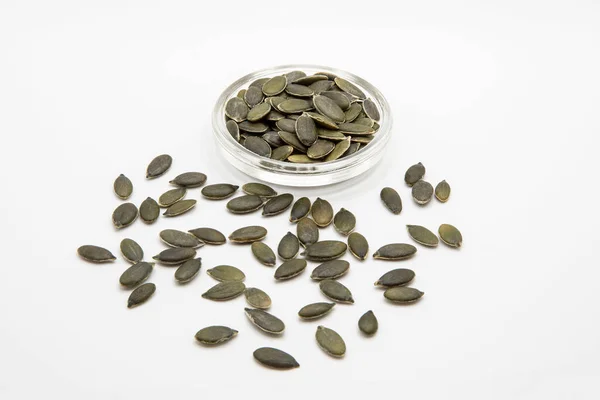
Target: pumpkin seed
column 286, row 124
column 141, row 294
column 175, row 255
column 263, row 253
column 339, row 98
column 245, row 204
column 359, row 247
column 189, row 179
column 414, row 173
column 288, row 246
column 330, row 134
column 274, row 358
column 253, row 96
column 240, row 94
column 226, row 273
column 422, row 192
column 308, row 80
column 257, row 298
column 159, row 166
column 299, row 90
column 391, row 199
column 259, row 83
column 306, row 130
column 225, row 291
column 265, row 321
column 370, row 109
column 274, row 86
column 181, row 207
column 136, row 274
column 395, row 252
column 258, row 146
column 292, row 106
column 259, row 189
column 274, row 115
column 213, row 335
column 396, row 277
column 320, row 149
column 290, row 269
column 336, row 291
column 170, row 197
column 292, row 140
column 95, row 254
column 209, row 235
column 253, row 127
column 353, row 112
column 422, row 235
column 248, row 234
column 294, row 75
column 325, row 250
column 149, row 210
column 340, row 148
column 353, row 128
column 402, row 294
column 258, row 112
column 219, row 191
column 354, row 147
column 233, row 129
column 349, row 87
column 365, row 121
column 123, row 187
column 344, row 222
column 362, row 139
column 131, row 251
column 301, row 159
column 315, row 310
column 273, row 139
column 330, row 342
column 442, row 191
column 300, row 209
column 276, row 101
column 281, row 153
column 307, row 231
column 175, row 238
column 450, row 235
column 188, row 270
column 368, row 323
column 277, row 204
column 124, row 215
column 330, row 270
column 329, row 108
column 321, row 86
column 322, row 212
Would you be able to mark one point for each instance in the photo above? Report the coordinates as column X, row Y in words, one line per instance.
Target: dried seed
column 141, row 294
column 340, row 148
column 368, row 323
column 359, row 247
column 294, row 75
column 336, row 291
column 391, row 199
column 225, row 291
column 290, row 269
column 277, row 204
column 330, row 342
column 281, row 153
column 354, row 147
column 124, row 215
column 95, row 254
column 329, row 108
column 274, row 86
column 258, row 112
column 275, row 101
column 213, row 335
column 259, row 83
column 258, row 145
column 253, row 96
column 188, row 270
column 422, row 192
column 259, row 189
column 308, row 232
column 299, row 90
column 402, row 294
column 450, row 235
column 301, row 159
column 320, row 149
column 339, row 98
column 292, row 106
column 414, row 174
column 175, row 256
column 181, row 207
column 371, row 110
column 322, row 212
column 309, row 80
column 274, row 115
column 189, row 180
column 321, row 86
column 344, row 222
column 253, row 127
column 248, row 234
column 136, row 274
column 442, row 191
column 331, row 135
column 322, row 120
column 288, row 247
column 315, row 310
column 263, row 253
column 349, row 87
column 274, row 358
column 300, row 209
column 396, row 277
column 170, row 197
column 209, row 235
column 292, row 140
column 245, row 204
column 131, row 251
column 330, row 270
column 286, row 124
column 240, row 95
column 123, row 187
column 265, row 321
column 325, row 250
column 273, row 139
column 159, row 166
column 175, row 238
column 219, row 191
column 353, row 112
column 365, row 121
column 362, row 139
column 353, row 128
column 226, row 273
column 306, row 130
column 233, row 129
column 149, row 210
column 422, row 235
column 395, row 252
column 257, row 298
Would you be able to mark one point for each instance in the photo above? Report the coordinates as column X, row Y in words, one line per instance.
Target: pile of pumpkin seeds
column 302, row 119
column 308, row 216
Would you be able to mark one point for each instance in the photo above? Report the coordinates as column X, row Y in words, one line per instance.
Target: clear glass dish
column 292, row 174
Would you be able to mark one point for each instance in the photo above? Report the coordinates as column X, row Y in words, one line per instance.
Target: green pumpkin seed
column 292, row 140
column 322, row 212
column 274, row 358
column 292, row 106
column 442, row 191
column 414, row 174
column 237, row 109
column 131, row 251
column 359, row 247
column 306, row 130
column 308, row 232
column 320, row 149
column 300, row 209
column 248, row 234
column 294, row 75
column 175, row 238
column 253, row 96
column 301, row 159
column 175, row 255
column 354, row 147
column 263, row 253
column 315, row 310
column 365, row 121
column 225, row 291
column 281, row 153
column 350, row 88
column 299, row 90
column 188, row 270
column 273, row 139
column 245, row 204
column 330, row 270
column 276, row 101
column 396, row 277
column 422, row 192
column 322, row 120
column 253, row 127
column 274, row 86
column 159, row 166
column 259, row 189
column 330, row 342
column 288, row 247
column 189, row 180
column 336, row 291
column 290, row 269
column 123, row 187
column 286, row 124
column 353, row 112
column 277, row 204
column 214, row 335
column 274, row 115
column 395, row 252
column 368, row 323
column 344, row 222
column 362, row 139
column 258, row 112
column 257, row 298
column 240, row 94
column 325, row 250
column 339, row 98
column 219, row 191
column 265, row 321
column 391, row 199
column 233, row 129
column 141, row 294
column 422, row 235
column 209, row 235
column 149, row 210
column 450, row 235
column 136, row 274
column 321, row 86
column 353, row 128
column 329, row 108
column 258, row 145
column 124, row 215
column 308, row 80
column 181, row 207
column 170, row 197
column 95, row 254
column 331, row 135
column 259, row 83
column 226, row 273
column 340, row 148
column 371, row 110
column 403, row 294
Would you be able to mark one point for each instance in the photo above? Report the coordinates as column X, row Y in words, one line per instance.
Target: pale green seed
column 322, row 120
column 281, row 153
column 368, row 323
column 245, row 204
column 226, row 273
column 175, row 255
column 450, row 235
column 259, row 189
column 189, row 180
column 233, row 129
column 237, row 109
column 258, row 145
column 391, row 199
column 306, row 130
column 325, row 250
column 403, row 294
column 396, row 277
column 442, row 191
column 274, row 86
column 353, row 112
column 188, row 270
column 320, row 149
column 274, row 358
column 301, row 159
column 300, row 209
column 315, row 310
column 330, row 342
column 136, row 274
column 414, row 173
column 159, row 166
column 329, row 108
column 299, row 90
column 278, row 204
column 395, row 252
column 253, row 127
column 253, row 96
column 288, row 247
column 258, row 112
column 274, row 140
column 340, row 149
column 292, row 106
column 422, row 235
column 353, row 128
column 219, row 191
column 265, row 321
column 257, row 298
column 370, row 109
column 330, row 270
column 175, row 238
column 224, row 291
column 215, row 335
column 209, row 235
column 286, row 124
column 181, row 207
column 331, row 135
column 339, row 98
column 358, row 245
column 292, row 140
column 422, row 192
column 149, row 210
column 123, row 187
column 308, row 80
column 308, row 232
column 350, row 88
column 263, row 253
column 322, row 212
column 248, row 234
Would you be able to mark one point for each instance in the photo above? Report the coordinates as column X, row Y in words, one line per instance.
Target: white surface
column 500, row 99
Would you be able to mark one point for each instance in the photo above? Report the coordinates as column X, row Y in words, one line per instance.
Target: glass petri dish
column 300, row 174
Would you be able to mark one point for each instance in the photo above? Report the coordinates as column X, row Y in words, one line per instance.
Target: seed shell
column 265, row 321
column 286, row 124
column 277, row 204
column 307, row 231
column 325, row 250
column 274, row 140
column 219, row 191
column 226, row 273
column 322, row 212
column 329, row 108
column 259, row 189
column 300, row 209
column 442, row 191
column 371, row 109
column 141, row 294
column 414, row 174
column 336, row 291
column 292, row 140
column 149, row 210
column 290, row 269
column 353, row 112
column 422, row 192
column 354, row 147
column 281, row 153
column 320, row 149
column 253, row 127
column 330, row 270
column 95, row 254
column 331, row 134
column 131, row 251
column 402, row 294
column 422, row 235
column 188, row 270
column 253, row 96
column 259, row 83
column 209, row 235
column 214, row 335
column 123, row 187
column 339, row 98
column 349, row 87
column 274, row 86
column 396, row 277
column 189, row 179
column 124, row 215
column 288, row 247
column 295, row 75
column 245, row 204
column 175, row 238
column 136, row 274
column 450, row 235
column 258, row 112
column 233, row 129
column 225, row 291
column 274, row 358
column 292, row 106
column 170, row 197
column 257, row 298
column 340, row 149
column 322, row 120
column 358, row 245
column 306, row 130
column 321, row 86
column 368, row 122
column 299, row 90
column 301, row 159
column 181, row 207
column 344, row 222
column 159, row 166
column 330, row 342
column 362, row 139
column 175, row 256
column 395, row 252
column 368, row 323
column 263, row 253
column 391, row 199
column 315, row 310
column 248, row 234
column 308, row 80
column 258, row 145
column 354, row 128
column 237, row 109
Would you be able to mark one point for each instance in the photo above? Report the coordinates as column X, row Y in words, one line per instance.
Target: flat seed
column 376, row 126
column 286, row 124
column 170, row 197
column 258, row 145
column 181, row 207
column 336, row 291
column 349, row 87
column 391, row 199
column 273, row 139
column 292, row 106
column 233, row 129
column 395, row 252
column 329, row 108
column 263, row 253
column 188, row 270
column 189, row 180
column 299, row 90
column 359, row 247
column 225, row 291
column 442, row 191
column 274, row 358
column 214, row 335
column 257, row 298
column 325, row 250
column 403, row 294
column 301, row 159
column 175, row 256
column 339, row 98
column 259, row 189
column 253, row 127
column 292, row 140
column 265, row 321
column 308, row 232
column 281, row 153
column 396, row 277
column 274, row 115
column 248, row 234
column 340, row 148
column 308, row 80
column 330, row 342
column 123, row 187
column 226, row 273
column 422, row 235
column 353, row 128
column 300, row 209
column 141, row 294
column 149, row 210
column 288, row 247
column 354, row 147
column 306, row 130
column 219, row 191
column 131, row 251
column 240, row 94
column 259, row 83
column 274, row 86
column 371, row 110
column 290, row 269
column 209, row 235
column 258, row 112
column 368, row 323
column 322, row 120
column 331, row 134
column 362, row 139
column 322, row 212
column 277, row 204
column 175, row 238
column 344, row 222
column 124, row 215
column 365, row 121
column 353, row 112
column 253, row 96
column 321, row 86
column 245, row 204
column 159, row 166
column 330, row 270
column 315, row 310
column 422, row 192
column 95, row 254
column 414, row 173
column 276, row 101
column 450, row 235
column 294, row 75
column 136, row 274
column 320, row 149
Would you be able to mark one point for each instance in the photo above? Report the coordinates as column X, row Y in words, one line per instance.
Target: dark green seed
column 402, row 294
column 320, row 149
column 213, row 335
column 181, row 207
column 294, row 75
column 340, row 149
column 362, row 139
column 330, row 342
column 123, row 187
column 292, row 106
column 219, row 191
column 322, row 120
column 300, row 209
column 329, row 108
column 258, row 112
column 299, row 90
column 159, row 166
column 344, row 222
column 277, row 204
column 281, row 153
column 331, row 135
column 395, row 252
column 371, row 109
column 265, row 321
column 359, row 247
column 141, row 294
column 274, row 86
column 325, row 250
column 233, row 129
column 368, row 122
column 306, row 130
column 330, row 270
column 391, row 199
column 336, row 291
column 301, row 158
column 95, row 254
column 396, row 277
column 253, row 96
column 354, row 147
column 240, row 95
column 188, row 270
column 292, row 140
column 450, row 235
column 225, row 291
column 315, row 310
column 258, row 145
column 442, row 191
column 422, row 235
column 308, row 232
column 248, row 234
column 175, row 238
column 274, row 358
column 276, row 101
column 259, row 83
column 322, row 212
column 257, row 298
column 175, row 256
column 290, row 269
column 259, row 189
column 273, row 139
column 288, row 247
column 368, row 323
column 131, row 251
column 136, row 274
column 422, row 192
column 253, row 127
column 149, row 210
column 189, row 180
column 170, row 197
column 353, row 128
column 209, row 235
column 263, row 253
column 274, row 115
column 350, row 88
column 353, row 112
column 414, row 174
column 124, row 215
column 245, row 204
column 226, row 273
column 321, row 86
column 339, row 98
column 309, row 80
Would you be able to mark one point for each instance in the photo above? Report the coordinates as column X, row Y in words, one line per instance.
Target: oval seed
column 365, row 121
column 315, row 310
column 274, row 115
column 299, row 90
column 257, row 298
column 286, row 124
column 248, row 234
column 325, row 250
column 403, row 294
column 259, row 83
column 170, row 197
column 263, row 253
column 213, row 335
column 396, row 277
column 322, row 120
column 95, row 254
column 159, row 166
column 336, row 291
column 181, row 207
column 188, row 270
column 294, row 75
column 344, row 222
column 329, row 108
column 275, row 101
column 301, row 159
column 141, row 294
column 288, row 247
column 362, row 139
column 253, row 127
column 136, row 274
column 123, row 187
column 274, row 140
column 189, row 180
column 307, row 80
column 307, row 231
column 349, row 87
column 331, row 134
column 259, row 111
column 339, row 98
column 353, row 112
column 131, row 251
column 175, row 256
column 237, row 109
column 414, row 173
column 259, row 189
column 225, row 291
column 306, row 130
column 274, row 86
column 277, row 204
column 233, row 129
column 300, row 209
column 253, row 96
column 149, row 210
column 241, row 94
column 354, row 147
column 258, row 145
column 290, row 269
column 320, row 149
column 219, row 191
column 340, row 148
column 292, row 140
column 292, row 106
column 450, row 235
column 245, row 204
column 368, row 323
column 274, row 358
column 330, row 342
column 359, row 247
column 330, row 270
column 265, row 321
column 391, row 199
column 175, row 238
column 226, row 273
column 422, row 235
column 395, row 252
column 371, row 109
column 321, row 86
column 442, row 191
column 322, row 212
column 422, row 192
column 124, row 215
column 209, row 235
column 354, row 128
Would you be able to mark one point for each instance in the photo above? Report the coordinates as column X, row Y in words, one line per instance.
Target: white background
column 501, row 99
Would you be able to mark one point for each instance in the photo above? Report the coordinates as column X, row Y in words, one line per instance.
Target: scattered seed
column 290, row 269
column 141, row 294
column 359, row 247
column 442, row 191
column 237, row 109
column 136, row 274
column 274, row 358
column 95, row 254
column 170, row 197
column 344, row 222
column 300, row 209
column 188, row 270
column 325, row 250
column 402, row 294
column 315, row 310
column 277, row 204
column 248, row 234
column 225, row 291
column 422, row 192
column 209, row 235
column 265, row 321
column 123, row 187
column 149, row 210
column 219, row 191
column 181, row 207
column 330, row 342
column 189, row 179
column 257, row 298
column 124, row 215
column 395, row 252
column 226, row 273
column 214, row 335
column 307, row 231
column 391, row 199
column 336, row 291
column 263, row 253
column 322, row 212
column 245, row 204
column 368, row 323
column 159, row 166
column 131, row 251
column 414, row 174
column 330, row 270
column 450, row 235
column 259, row 189
column 288, row 247
column 422, row 235
column 396, row 277
column 175, row 256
